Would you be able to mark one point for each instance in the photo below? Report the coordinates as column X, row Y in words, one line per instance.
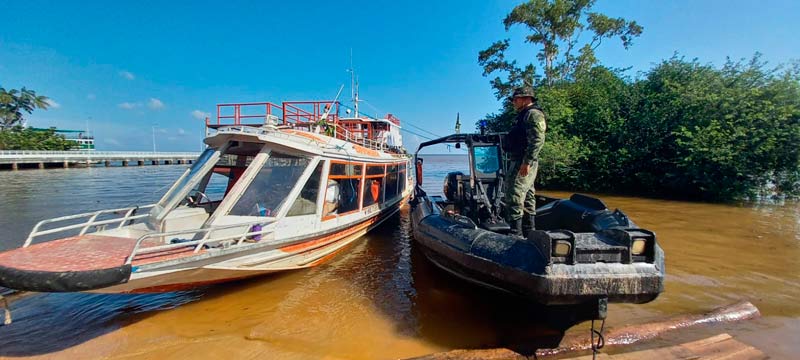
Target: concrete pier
column 16, row 159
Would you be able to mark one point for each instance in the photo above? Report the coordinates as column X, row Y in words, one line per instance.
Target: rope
column 601, row 340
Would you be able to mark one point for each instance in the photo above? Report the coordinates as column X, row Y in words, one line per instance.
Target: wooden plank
column 601, row 356
column 672, row 352
column 719, row 347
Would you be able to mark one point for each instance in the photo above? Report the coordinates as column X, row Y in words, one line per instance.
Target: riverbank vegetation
column 682, row 129
column 22, row 138
column 14, row 104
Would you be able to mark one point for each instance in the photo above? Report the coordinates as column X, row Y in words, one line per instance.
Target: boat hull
column 175, row 275
column 519, row 266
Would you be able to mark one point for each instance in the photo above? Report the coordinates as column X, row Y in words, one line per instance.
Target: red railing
column 304, row 115
column 237, row 112
column 289, row 112
column 305, row 112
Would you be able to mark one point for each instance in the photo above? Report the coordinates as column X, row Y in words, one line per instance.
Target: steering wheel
column 197, row 199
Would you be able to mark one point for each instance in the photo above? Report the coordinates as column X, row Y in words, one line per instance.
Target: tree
column 21, row 138
column 556, row 26
column 14, row 102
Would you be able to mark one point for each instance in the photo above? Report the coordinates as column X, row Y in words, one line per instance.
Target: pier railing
column 99, row 155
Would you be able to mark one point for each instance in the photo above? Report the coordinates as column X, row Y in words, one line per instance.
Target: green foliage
column 684, row 129
column 556, row 27
column 20, row 138
column 14, row 102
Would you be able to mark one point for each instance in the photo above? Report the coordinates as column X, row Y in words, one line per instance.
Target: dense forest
column 682, row 129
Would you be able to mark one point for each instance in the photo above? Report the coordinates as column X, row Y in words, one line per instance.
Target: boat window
column 178, row 188
column 217, row 183
column 487, row 160
column 269, row 189
column 349, row 169
column 375, row 170
column 373, row 187
column 344, row 187
column 306, row 202
column 392, row 176
column 401, row 178
column 348, row 195
column 210, row 190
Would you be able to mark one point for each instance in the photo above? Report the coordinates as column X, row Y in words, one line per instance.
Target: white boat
column 279, row 187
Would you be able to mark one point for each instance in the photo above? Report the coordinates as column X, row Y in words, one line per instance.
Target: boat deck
column 84, row 253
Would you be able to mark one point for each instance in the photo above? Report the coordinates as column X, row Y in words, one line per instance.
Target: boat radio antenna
column 353, row 84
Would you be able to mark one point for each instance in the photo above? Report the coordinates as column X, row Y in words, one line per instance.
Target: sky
column 132, row 70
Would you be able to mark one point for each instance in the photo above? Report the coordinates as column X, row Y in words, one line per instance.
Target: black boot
column 516, row 227
column 528, row 224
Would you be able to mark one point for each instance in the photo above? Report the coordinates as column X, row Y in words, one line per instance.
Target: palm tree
column 14, row 102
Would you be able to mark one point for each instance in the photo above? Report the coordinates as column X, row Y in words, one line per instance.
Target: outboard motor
column 453, row 189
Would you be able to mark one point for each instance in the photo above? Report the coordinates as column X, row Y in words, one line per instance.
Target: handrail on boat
column 198, row 244
column 129, row 216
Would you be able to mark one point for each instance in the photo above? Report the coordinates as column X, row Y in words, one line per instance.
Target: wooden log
column 613, row 337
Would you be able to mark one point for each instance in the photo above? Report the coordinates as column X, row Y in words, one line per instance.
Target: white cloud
column 53, row 104
column 155, row 104
column 127, row 75
column 91, row 96
column 200, row 115
column 128, row 106
column 181, row 131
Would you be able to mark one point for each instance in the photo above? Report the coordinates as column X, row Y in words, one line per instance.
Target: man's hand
column 523, row 169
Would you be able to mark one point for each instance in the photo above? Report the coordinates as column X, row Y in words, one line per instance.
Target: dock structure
column 25, row 159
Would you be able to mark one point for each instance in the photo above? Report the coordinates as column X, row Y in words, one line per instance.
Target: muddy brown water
column 381, row 299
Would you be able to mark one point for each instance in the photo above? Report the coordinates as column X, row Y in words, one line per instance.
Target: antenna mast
column 353, row 84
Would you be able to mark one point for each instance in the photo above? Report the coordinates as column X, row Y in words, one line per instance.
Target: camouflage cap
column 525, row 91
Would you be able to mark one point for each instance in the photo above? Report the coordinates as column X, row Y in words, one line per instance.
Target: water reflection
column 45, row 323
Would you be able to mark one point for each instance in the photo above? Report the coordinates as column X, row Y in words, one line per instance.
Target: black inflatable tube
column 66, row 281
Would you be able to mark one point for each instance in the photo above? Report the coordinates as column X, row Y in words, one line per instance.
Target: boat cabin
column 288, row 169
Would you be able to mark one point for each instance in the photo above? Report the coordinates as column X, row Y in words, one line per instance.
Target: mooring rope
column 601, row 340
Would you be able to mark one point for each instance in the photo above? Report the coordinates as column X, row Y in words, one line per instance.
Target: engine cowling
column 453, row 188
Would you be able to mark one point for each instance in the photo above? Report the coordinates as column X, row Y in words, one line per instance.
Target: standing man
column 523, row 144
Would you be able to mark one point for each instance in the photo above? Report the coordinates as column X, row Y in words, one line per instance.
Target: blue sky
column 127, row 66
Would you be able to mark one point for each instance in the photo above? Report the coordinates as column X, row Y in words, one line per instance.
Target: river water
column 382, row 299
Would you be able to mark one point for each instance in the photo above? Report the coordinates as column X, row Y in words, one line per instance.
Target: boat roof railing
column 305, row 115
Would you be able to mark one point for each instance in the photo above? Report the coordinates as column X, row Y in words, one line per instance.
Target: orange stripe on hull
column 329, row 238
column 185, row 286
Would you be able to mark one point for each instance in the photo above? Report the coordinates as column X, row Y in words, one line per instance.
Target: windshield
column 487, row 160
column 271, row 186
column 177, row 190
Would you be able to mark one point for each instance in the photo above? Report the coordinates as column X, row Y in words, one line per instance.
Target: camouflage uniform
column 525, row 141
